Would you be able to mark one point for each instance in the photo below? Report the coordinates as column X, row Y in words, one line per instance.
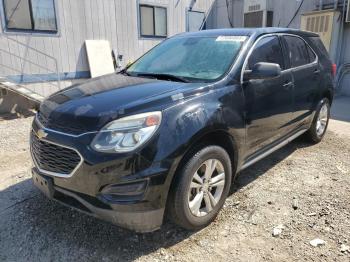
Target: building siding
column 80, row 20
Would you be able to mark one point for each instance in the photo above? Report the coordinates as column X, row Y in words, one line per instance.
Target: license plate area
column 45, row 184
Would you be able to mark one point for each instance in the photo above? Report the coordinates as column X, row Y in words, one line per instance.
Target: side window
column 297, row 51
column 312, row 56
column 317, row 43
column 267, row 50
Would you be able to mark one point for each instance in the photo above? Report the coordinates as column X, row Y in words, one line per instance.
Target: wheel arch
column 216, row 137
column 328, row 93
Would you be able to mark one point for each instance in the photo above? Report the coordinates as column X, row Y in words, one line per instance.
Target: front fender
column 185, row 123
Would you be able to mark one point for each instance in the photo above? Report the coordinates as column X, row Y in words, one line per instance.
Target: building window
column 153, row 21
column 30, row 15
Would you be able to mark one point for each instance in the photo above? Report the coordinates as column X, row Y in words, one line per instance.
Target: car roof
column 247, row 32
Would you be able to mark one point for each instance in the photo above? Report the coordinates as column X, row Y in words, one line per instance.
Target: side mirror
column 263, row 71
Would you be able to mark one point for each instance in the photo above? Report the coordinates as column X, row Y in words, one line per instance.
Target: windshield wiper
column 164, row 77
column 123, row 72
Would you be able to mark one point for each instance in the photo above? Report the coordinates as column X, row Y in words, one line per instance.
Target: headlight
column 127, row 134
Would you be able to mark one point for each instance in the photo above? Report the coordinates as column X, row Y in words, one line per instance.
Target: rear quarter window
column 298, row 52
column 312, row 55
column 317, row 42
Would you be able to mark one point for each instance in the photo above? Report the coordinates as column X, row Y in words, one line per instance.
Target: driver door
column 269, row 102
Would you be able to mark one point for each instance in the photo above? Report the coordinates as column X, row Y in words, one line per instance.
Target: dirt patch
column 302, row 191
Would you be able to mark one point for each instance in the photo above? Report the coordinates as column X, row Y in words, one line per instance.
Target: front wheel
column 320, row 123
column 201, row 188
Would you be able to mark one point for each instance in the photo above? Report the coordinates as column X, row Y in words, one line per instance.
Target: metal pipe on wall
column 340, row 74
column 336, row 4
column 342, row 29
column 193, row 2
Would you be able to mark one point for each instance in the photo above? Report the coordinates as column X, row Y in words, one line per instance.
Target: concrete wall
column 79, row 20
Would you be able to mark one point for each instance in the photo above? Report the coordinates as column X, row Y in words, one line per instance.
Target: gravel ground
column 299, row 193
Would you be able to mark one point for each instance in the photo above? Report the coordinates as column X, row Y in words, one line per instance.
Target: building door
column 195, row 21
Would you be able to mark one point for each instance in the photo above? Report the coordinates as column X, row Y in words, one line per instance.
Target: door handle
column 317, row 71
column 286, row 85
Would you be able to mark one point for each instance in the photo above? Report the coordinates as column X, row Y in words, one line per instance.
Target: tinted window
column 316, row 41
column 297, row 51
column 312, row 56
column 267, row 50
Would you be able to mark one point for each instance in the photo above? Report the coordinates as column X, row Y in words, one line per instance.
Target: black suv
column 168, row 134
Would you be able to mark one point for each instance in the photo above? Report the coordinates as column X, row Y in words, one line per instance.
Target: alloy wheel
column 322, row 120
column 206, row 187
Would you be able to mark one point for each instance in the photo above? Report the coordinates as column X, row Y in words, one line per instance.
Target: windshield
column 191, row 58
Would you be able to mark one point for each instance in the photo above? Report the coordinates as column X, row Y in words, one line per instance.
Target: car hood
column 89, row 106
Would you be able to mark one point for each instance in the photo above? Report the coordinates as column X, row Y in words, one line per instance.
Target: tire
column 320, row 122
column 187, row 189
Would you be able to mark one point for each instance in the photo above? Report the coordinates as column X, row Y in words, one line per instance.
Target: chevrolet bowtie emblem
column 41, row 134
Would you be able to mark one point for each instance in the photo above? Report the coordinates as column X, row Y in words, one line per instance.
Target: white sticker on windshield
column 231, row 38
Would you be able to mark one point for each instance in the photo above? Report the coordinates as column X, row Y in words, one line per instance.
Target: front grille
column 53, row 158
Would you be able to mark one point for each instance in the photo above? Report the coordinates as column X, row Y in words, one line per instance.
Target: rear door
column 306, row 74
column 269, row 102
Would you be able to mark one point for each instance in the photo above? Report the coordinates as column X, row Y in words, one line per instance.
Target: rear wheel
column 201, row 188
column 320, row 123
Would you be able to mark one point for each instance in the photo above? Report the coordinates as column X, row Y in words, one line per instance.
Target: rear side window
column 298, row 52
column 312, row 56
column 267, row 50
column 316, row 41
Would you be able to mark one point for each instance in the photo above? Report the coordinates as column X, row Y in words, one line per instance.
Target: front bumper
column 141, row 211
column 139, row 221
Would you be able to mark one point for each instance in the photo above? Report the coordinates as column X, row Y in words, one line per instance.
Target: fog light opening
column 114, row 192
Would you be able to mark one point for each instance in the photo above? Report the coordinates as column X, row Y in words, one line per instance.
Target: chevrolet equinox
column 167, row 135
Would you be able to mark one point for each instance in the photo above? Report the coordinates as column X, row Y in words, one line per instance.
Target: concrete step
column 15, row 98
column 21, row 90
